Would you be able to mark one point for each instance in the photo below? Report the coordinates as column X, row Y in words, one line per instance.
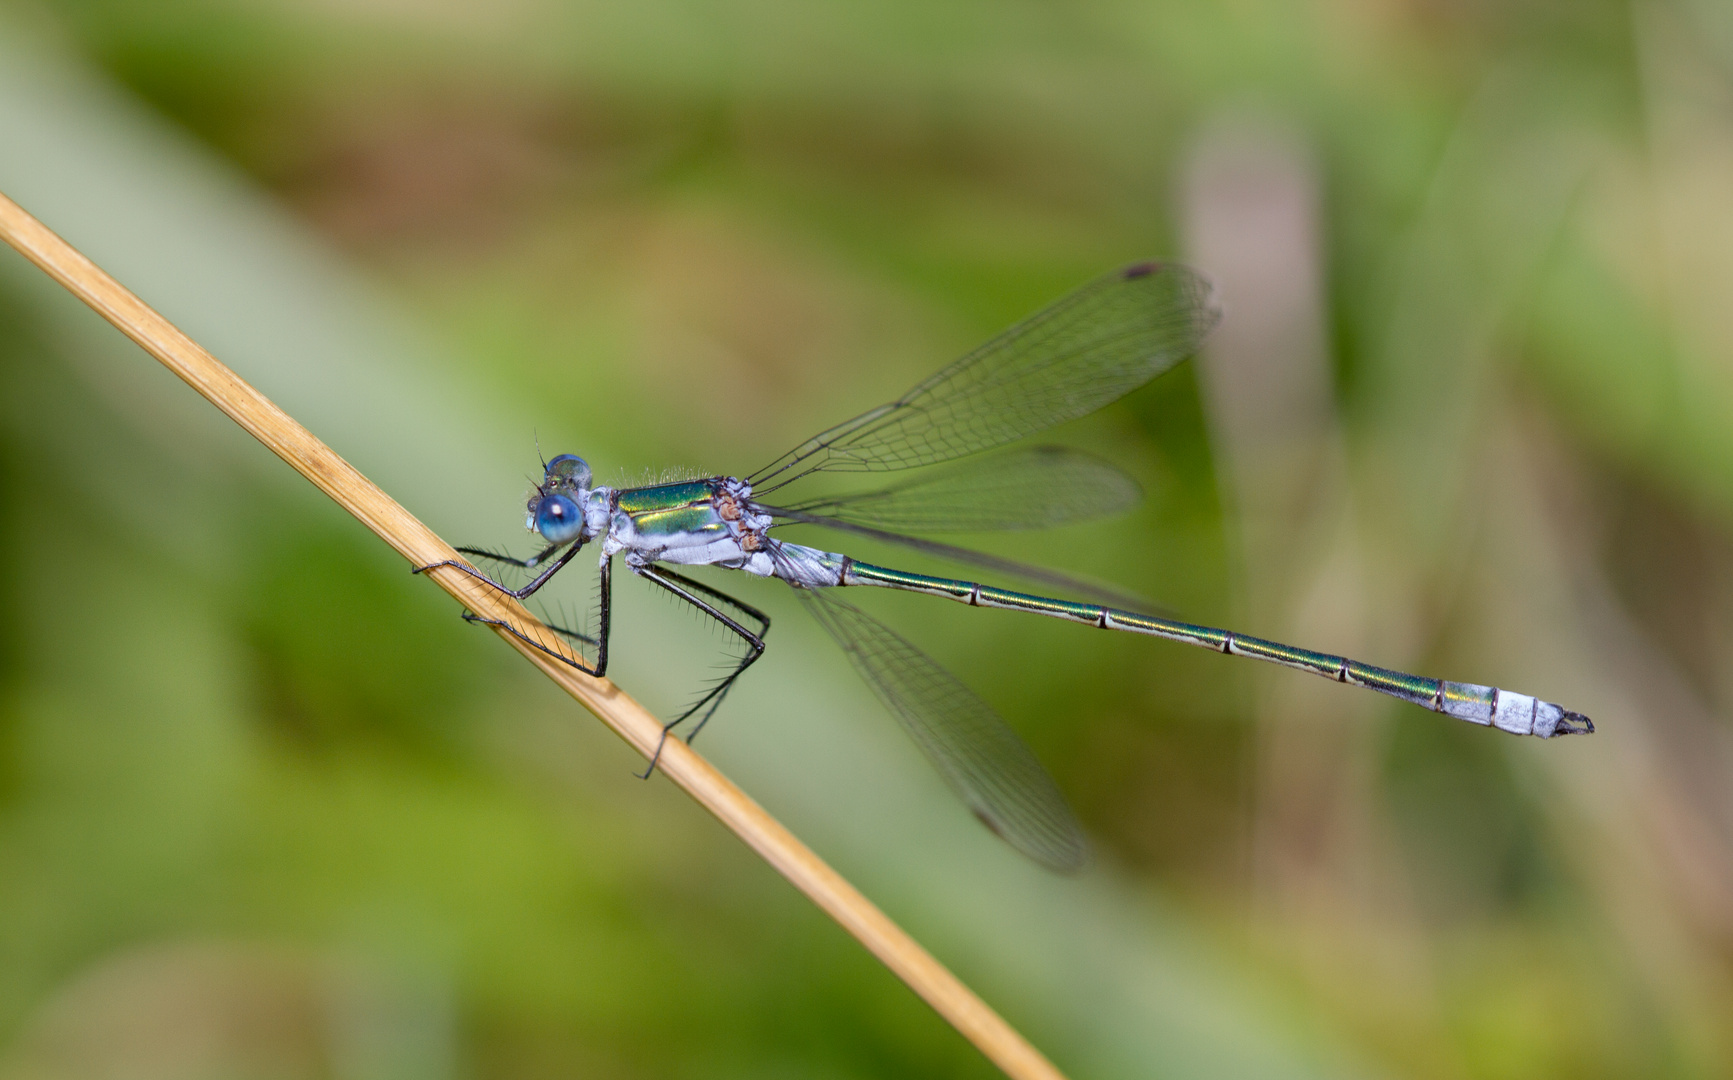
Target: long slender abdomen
column 1486, row 705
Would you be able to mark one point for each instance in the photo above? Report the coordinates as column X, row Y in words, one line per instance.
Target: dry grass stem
column 418, row 544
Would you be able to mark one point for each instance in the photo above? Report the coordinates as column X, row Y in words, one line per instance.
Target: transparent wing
column 982, row 759
column 1093, row 347
column 1021, row 489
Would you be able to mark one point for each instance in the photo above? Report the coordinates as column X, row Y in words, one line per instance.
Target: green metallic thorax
column 668, row 509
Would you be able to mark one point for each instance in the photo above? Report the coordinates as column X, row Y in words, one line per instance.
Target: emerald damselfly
column 1091, row 348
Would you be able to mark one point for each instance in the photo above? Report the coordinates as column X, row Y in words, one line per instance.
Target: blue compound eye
column 558, row 519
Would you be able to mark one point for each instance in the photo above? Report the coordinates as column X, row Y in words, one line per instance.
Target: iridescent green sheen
column 1040, row 605
column 669, row 509
column 1291, row 656
column 647, row 500
column 860, row 573
column 1206, row 637
column 1398, row 684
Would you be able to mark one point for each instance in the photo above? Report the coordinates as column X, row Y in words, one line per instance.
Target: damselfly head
column 555, row 506
column 567, row 474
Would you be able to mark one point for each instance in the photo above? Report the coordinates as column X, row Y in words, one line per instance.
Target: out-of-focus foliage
column 266, row 803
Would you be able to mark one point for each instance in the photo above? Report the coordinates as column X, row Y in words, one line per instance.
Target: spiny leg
column 745, row 609
column 516, row 594
column 501, row 557
column 600, row 669
column 686, row 589
column 568, row 634
column 525, row 564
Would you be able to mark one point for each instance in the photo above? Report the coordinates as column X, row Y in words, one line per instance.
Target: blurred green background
column 269, row 809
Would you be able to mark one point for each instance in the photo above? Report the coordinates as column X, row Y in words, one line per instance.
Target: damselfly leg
column 516, row 594
column 689, row 590
column 565, row 632
column 686, row 589
column 605, row 625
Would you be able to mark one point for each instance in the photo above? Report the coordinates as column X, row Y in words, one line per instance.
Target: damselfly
column 1089, row 349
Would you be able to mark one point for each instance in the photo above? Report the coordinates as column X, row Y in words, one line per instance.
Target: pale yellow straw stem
column 417, row 543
